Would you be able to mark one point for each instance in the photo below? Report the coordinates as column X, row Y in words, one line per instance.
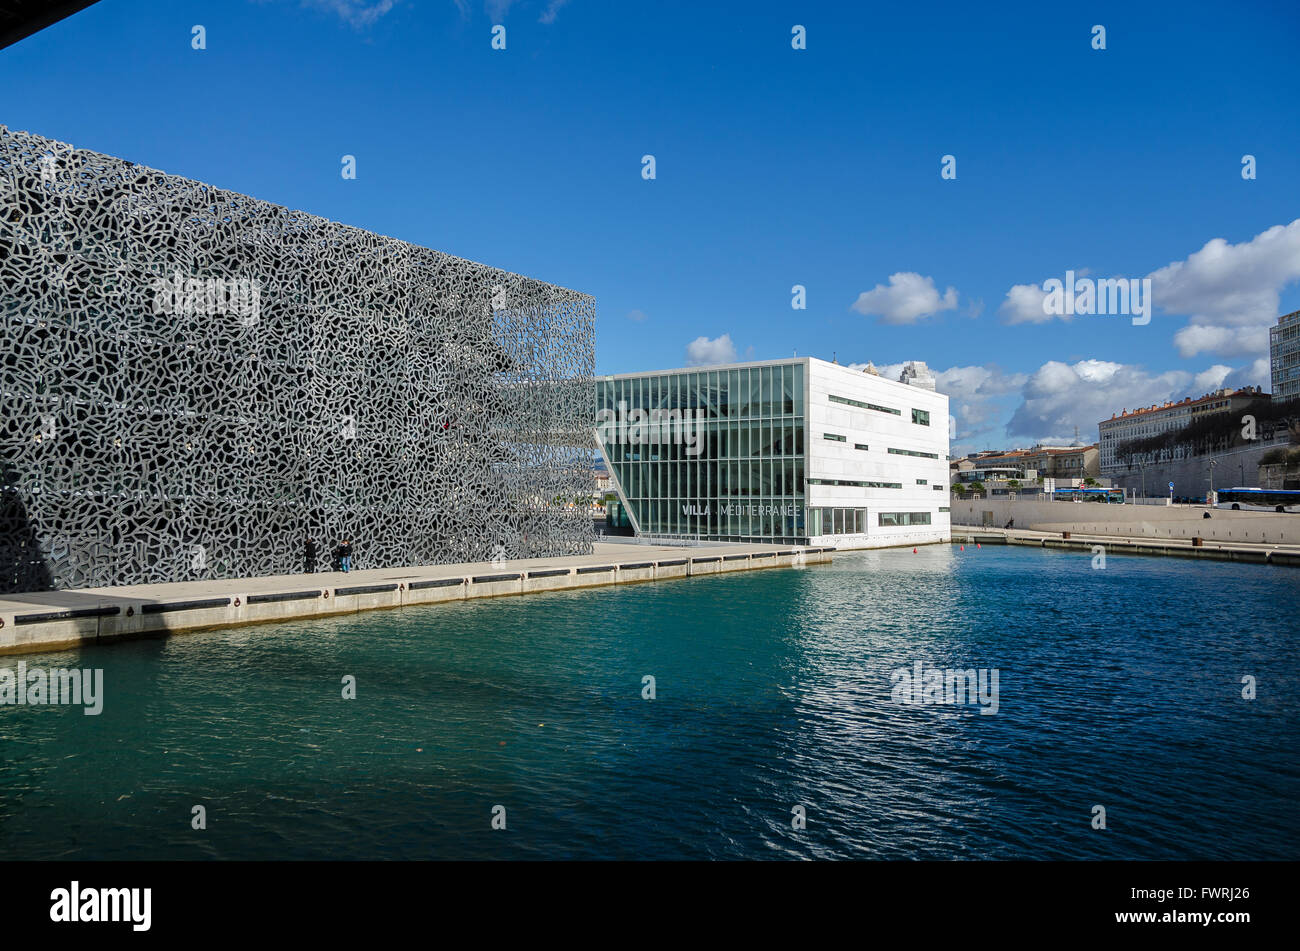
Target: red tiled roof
column 1186, row 401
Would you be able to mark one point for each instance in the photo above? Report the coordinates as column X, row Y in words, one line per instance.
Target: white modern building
column 799, row 451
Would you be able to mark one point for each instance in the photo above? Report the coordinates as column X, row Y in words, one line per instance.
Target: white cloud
column 1230, row 291
column 1255, row 373
column 977, row 397
column 889, row 371
column 1019, row 409
column 358, row 13
column 908, row 298
column 705, row 352
column 1059, row 396
column 552, row 11
column 1211, row 378
column 1024, row 302
column 1024, row 305
column 636, row 315
column 497, row 9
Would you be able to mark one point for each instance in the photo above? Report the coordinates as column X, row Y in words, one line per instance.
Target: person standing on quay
column 345, row 554
column 309, row 555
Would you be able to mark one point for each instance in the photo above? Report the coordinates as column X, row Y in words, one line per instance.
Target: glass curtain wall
column 743, row 477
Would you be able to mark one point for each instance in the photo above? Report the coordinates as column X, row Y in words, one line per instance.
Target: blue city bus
column 1259, row 500
column 1111, row 496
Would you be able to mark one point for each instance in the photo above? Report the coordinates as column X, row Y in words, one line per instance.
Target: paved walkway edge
column 104, row 615
column 1128, row 545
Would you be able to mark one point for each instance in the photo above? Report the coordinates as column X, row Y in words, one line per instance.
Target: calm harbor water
column 1118, row 687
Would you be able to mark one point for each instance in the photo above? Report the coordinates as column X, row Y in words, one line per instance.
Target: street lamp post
column 1209, row 499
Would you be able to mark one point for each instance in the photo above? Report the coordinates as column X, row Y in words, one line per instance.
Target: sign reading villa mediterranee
column 740, row 508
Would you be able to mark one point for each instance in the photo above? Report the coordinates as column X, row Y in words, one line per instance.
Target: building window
column 895, row 519
column 913, row 452
column 860, row 405
column 921, row 417
column 832, row 437
column 943, row 508
column 922, row 482
column 834, row 521
column 860, row 445
column 938, row 488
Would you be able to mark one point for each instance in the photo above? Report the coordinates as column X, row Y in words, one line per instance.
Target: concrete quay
column 59, row 620
column 1130, row 545
column 1152, row 523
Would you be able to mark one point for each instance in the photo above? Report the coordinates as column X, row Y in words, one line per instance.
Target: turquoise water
column 1118, row 687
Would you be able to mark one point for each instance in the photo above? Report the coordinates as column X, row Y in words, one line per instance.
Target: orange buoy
column 963, row 547
column 913, row 551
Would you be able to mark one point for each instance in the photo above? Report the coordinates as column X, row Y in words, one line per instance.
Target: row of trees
column 1219, row 432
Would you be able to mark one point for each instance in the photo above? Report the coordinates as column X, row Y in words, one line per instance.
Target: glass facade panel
column 741, row 479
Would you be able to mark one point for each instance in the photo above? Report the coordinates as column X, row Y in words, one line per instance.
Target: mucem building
column 796, row 451
column 197, row 384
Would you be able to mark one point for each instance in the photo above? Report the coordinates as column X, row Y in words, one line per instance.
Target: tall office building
column 800, row 451
column 1284, row 356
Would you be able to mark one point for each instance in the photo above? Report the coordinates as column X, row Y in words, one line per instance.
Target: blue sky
column 774, row 167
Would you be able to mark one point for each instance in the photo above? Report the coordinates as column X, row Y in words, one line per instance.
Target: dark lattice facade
column 196, row 383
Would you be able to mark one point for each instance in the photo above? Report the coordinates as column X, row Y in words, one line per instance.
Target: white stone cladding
column 831, row 459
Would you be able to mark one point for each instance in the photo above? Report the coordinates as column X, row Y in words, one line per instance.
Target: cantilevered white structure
column 800, row 451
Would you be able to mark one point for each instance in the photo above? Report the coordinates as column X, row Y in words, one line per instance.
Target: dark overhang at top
column 19, row 19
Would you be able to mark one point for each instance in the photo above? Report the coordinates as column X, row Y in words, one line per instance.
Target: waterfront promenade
column 1148, row 522
column 53, row 620
column 1130, row 544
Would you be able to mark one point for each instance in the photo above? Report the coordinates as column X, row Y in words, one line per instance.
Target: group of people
column 341, row 556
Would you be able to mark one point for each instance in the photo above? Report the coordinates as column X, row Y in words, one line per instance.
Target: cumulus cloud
column 1231, row 292
column 995, row 408
column 1255, row 373
column 908, row 298
column 1019, row 409
column 1057, row 397
column 705, row 352
column 1024, row 302
column 1211, row 378
column 1024, row 305
column 977, row 397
